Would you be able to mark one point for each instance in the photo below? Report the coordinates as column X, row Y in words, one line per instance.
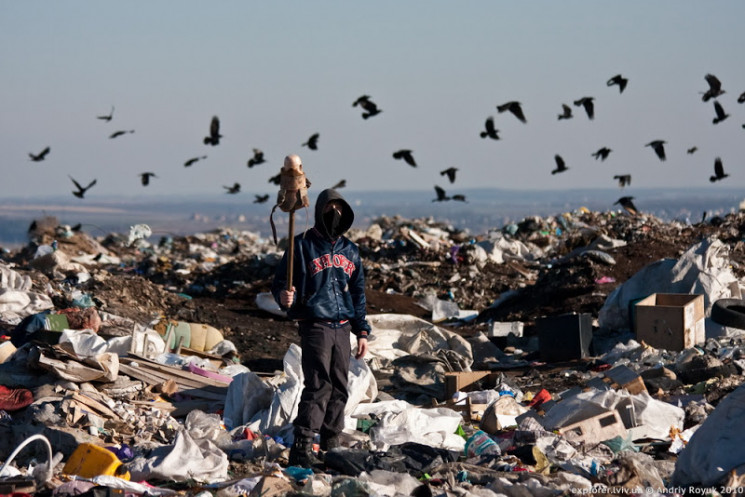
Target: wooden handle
column 290, row 250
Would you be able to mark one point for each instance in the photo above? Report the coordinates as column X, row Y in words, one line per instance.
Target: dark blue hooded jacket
column 327, row 272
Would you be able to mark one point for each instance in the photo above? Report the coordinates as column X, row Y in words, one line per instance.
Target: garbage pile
column 582, row 353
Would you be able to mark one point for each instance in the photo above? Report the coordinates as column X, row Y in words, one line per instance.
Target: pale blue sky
column 276, row 72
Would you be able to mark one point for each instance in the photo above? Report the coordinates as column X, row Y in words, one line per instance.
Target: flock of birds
column 370, row 109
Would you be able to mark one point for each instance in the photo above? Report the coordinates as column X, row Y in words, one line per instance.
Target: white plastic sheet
column 718, row 446
column 400, row 422
column 702, row 269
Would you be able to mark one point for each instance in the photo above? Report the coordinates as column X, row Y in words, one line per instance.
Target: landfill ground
column 215, row 278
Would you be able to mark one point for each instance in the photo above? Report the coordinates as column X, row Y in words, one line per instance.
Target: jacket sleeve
column 360, row 326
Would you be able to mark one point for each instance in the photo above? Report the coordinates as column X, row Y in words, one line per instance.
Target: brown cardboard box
column 671, row 321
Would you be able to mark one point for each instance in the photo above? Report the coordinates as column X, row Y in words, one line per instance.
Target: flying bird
column 719, row 173
column 618, row 80
column 623, row 179
column 120, row 133
column 715, row 88
column 233, row 189
column 145, row 178
column 341, row 184
column 81, row 191
column 406, row 155
column 275, row 179
column 441, row 195
column 257, row 159
column 368, row 105
column 741, row 98
column 720, row 114
column 260, row 199
column 587, row 103
column 108, row 117
column 214, row 137
column 490, row 131
column 40, row 156
column 659, row 148
column 193, row 160
column 567, row 114
column 602, row 153
column 515, row 108
column 626, row 203
column 312, row 142
column 450, row 172
column 560, row 165
column 692, row 150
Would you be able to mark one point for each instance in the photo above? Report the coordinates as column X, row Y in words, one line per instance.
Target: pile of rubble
column 529, row 362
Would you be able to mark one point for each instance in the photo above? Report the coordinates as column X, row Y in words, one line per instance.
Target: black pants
column 325, row 363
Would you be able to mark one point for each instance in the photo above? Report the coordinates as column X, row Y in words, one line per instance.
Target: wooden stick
column 290, row 250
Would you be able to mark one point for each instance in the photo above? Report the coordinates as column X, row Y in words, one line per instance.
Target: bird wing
column 718, row 167
column 409, row 159
column 517, row 110
column 714, row 84
column 560, row 162
column 490, row 125
column 90, row 184
column 440, row 192
column 77, row 185
column 215, row 126
column 719, row 110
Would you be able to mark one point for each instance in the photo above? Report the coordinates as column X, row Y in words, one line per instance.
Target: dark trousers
column 325, row 363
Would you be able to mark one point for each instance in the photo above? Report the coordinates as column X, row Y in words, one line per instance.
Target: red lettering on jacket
column 326, row 262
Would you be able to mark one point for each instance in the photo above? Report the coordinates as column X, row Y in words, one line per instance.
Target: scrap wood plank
column 156, row 378
column 173, row 370
column 102, row 408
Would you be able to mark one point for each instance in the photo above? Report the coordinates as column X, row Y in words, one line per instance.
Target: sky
column 276, row 72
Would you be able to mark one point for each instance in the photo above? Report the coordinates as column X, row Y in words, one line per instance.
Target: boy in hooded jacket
column 327, row 299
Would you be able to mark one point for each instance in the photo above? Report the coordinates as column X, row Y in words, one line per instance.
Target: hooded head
column 334, row 216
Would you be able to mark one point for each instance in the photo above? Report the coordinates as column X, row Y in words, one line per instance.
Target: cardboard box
column 465, row 381
column 670, row 321
column 565, row 337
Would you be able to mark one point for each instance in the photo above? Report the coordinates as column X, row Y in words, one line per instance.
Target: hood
column 347, row 215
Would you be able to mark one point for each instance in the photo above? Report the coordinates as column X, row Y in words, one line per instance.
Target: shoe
column 329, row 443
column 301, row 453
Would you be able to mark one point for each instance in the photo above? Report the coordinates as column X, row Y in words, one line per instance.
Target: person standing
column 327, row 299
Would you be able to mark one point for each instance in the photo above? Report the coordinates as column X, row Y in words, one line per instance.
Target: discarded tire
column 729, row 312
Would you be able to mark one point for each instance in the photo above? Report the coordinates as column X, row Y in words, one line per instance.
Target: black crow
column 515, row 108
column 406, row 155
column 719, row 173
column 450, row 172
column 233, row 189
column 692, row 150
column 626, row 203
column 490, row 131
column 81, row 191
column 312, row 142
column 260, row 199
column 567, row 114
column 145, row 178
column 715, row 88
column 623, row 179
column 193, row 160
column 602, row 153
column 586, row 102
column 659, row 148
column 560, row 165
column 120, row 133
column 341, row 184
column 257, row 159
column 441, row 195
column 275, row 179
column 108, row 117
column 40, row 156
column 214, row 137
column 618, row 80
column 720, row 114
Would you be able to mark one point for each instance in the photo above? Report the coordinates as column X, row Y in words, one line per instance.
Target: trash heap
column 586, row 353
